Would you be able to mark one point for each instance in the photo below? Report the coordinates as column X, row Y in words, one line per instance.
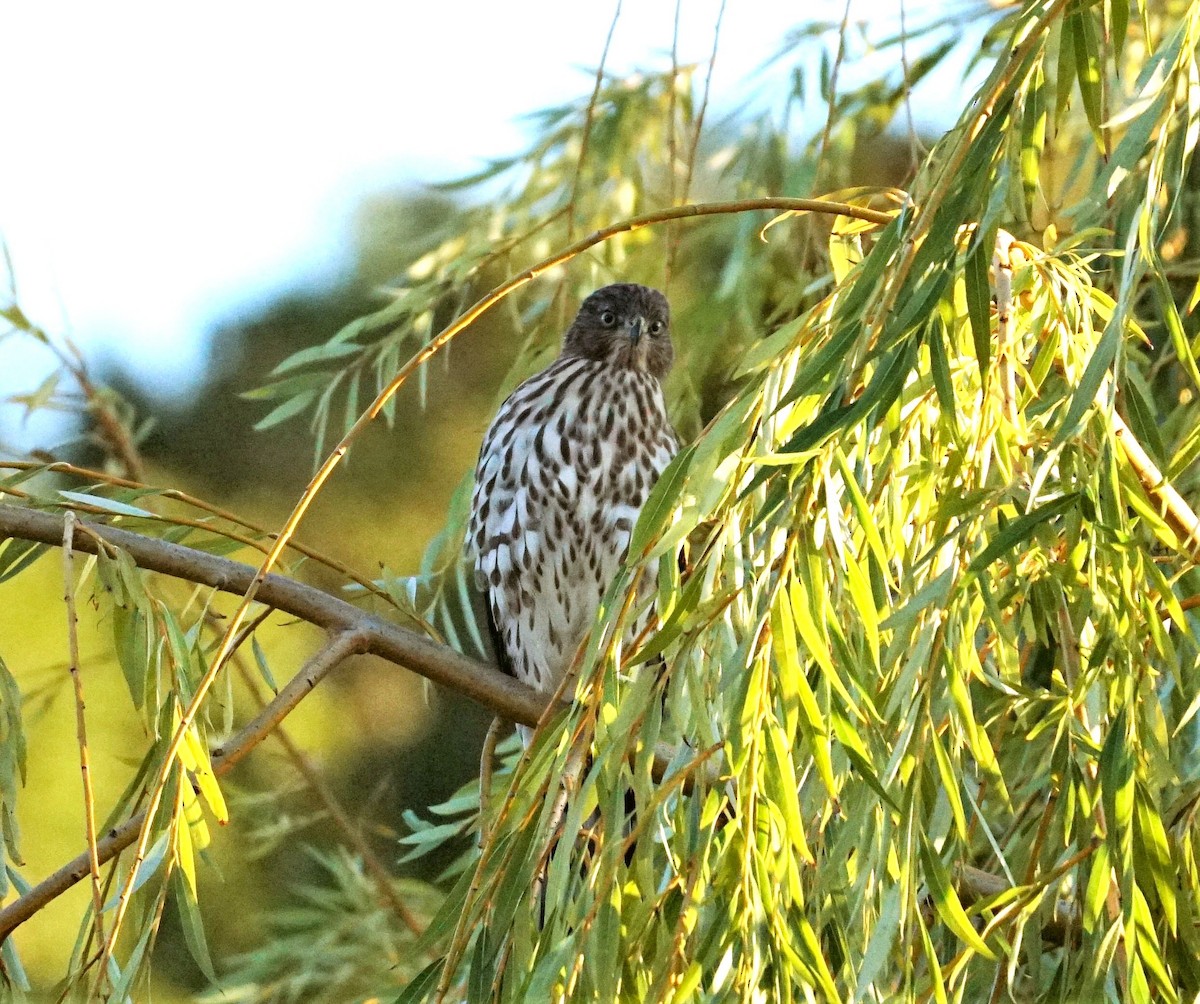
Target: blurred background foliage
column 289, row 912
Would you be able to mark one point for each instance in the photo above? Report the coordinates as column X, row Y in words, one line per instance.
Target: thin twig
column 87, row 473
column 589, row 116
column 672, row 153
column 89, row 799
column 914, row 144
column 695, row 145
column 831, row 113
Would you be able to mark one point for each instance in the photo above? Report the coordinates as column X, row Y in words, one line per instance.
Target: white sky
column 166, row 164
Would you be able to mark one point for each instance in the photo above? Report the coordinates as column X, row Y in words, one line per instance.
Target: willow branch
column 473, row 679
column 195, row 502
column 353, row 631
column 1179, row 515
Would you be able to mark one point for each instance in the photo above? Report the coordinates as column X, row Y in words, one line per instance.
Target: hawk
column 563, row 472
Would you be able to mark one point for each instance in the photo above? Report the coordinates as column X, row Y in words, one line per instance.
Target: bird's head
column 625, row 325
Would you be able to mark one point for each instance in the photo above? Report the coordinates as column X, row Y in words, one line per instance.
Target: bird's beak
column 636, row 329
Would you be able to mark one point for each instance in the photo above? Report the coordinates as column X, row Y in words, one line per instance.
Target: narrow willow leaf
column 317, row 353
column 205, row 779
column 1065, row 74
column 949, row 782
column 1081, row 23
column 1147, row 949
column 288, row 388
column 863, row 511
column 782, row 786
column 936, row 983
column 422, row 985
column 1118, row 12
column 857, row 752
column 133, row 649
column 1150, row 838
column 1020, row 530
column 1117, row 788
column 947, row 903
column 185, row 856
column 1142, row 420
column 768, row 351
column 13, row 969
column 18, row 555
column 122, row 980
column 290, row 408
column 260, row 660
column 152, row 862
column 107, row 504
column 1165, row 299
column 939, row 365
column 810, row 950
column 1033, row 138
column 660, row 504
column 880, row 944
column 979, row 297
column 192, row 926
column 817, row 645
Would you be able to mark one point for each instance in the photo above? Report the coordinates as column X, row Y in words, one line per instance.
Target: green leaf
column 1019, row 530
column 949, row 906
column 107, row 504
column 1117, row 790
column 192, row 926
column 287, row 409
column 939, row 366
column 1081, row 24
column 260, row 660
column 422, row 985
column 660, row 504
column 1033, row 138
column 17, row 555
column 317, row 353
column 979, row 295
column 151, row 864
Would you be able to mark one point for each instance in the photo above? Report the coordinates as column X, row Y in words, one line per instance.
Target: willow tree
column 917, row 718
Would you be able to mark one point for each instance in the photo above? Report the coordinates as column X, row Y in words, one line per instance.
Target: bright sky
column 168, row 164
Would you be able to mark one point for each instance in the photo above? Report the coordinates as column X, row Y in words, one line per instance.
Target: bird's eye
column 608, row 319
column 656, row 327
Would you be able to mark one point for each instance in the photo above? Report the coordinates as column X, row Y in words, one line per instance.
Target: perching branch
column 477, row 680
